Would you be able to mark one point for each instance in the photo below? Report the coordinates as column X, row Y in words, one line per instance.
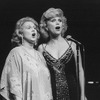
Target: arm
column 81, row 78
column 10, row 79
column 81, row 71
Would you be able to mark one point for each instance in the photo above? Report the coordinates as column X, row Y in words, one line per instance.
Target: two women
column 25, row 75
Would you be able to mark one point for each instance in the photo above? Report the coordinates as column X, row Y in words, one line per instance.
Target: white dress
column 26, row 76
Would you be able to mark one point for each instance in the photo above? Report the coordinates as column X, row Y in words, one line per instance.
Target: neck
column 56, row 39
column 28, row 45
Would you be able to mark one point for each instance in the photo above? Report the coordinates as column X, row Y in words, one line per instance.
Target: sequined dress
column 63, row 75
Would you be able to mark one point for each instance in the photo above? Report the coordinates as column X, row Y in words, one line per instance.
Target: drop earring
column 21, row 36
column 46, row 28
column 35, row 43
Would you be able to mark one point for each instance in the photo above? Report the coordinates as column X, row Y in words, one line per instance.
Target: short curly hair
column 16, row 36
column 47, row 15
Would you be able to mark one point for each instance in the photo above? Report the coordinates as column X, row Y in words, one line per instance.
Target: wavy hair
column 16, row 36
column 47, row 15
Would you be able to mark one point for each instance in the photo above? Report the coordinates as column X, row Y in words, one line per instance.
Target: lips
column 33, row 34
column 57, row 27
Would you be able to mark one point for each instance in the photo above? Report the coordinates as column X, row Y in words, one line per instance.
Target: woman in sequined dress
column 60, row 55
column 25, row 75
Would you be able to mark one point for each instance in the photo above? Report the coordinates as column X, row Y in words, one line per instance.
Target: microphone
column 69, row 37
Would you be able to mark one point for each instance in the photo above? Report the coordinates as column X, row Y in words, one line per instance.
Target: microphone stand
column 77, row 70
column 82, row 50
column 78, row 48
column 83, row 64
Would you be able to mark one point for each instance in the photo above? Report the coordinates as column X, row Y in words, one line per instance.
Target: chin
column 58, row 33
column 32, row 41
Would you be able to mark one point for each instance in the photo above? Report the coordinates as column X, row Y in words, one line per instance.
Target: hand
column 83, row 98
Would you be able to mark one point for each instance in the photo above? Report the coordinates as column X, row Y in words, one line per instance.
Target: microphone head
column 68, row 36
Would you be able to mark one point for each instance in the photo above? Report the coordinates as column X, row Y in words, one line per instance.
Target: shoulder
column 41, row 57
column 13, row 55
column 15, row 52
column 73, row 45
column 40, row 54
column 41, row 47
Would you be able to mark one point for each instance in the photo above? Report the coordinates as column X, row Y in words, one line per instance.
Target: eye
column 28, row 27
column 31, row 27
column 52, row 20
column 59, row 20
column 34, row 27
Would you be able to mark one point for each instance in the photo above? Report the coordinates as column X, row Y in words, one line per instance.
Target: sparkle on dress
column 60, row 69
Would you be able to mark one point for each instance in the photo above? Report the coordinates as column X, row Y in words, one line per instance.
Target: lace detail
column 16, row 86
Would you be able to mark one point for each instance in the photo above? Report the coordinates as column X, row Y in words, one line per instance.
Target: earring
column 46, row 28
column 36, row 42
column 22, row 39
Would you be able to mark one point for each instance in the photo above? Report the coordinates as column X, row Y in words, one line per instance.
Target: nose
column 33, row 30
column 57, row 22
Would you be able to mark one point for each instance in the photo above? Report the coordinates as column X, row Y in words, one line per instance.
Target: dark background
column 83, row 24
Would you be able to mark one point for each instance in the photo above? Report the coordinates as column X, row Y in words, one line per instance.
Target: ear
column 19, row 33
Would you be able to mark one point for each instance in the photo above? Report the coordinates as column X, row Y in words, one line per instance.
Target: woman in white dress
column 25, row 75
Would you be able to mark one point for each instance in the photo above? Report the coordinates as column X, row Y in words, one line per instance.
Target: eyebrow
column 30, row 26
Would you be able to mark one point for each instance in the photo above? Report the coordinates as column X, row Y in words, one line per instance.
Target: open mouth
column 57, row 27
column 33, row 34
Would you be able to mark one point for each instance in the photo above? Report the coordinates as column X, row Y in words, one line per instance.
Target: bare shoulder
column 73, row 45
column 41, row 47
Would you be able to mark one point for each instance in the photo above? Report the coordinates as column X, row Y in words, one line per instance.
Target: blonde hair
column 50, row 13
column 16, row 36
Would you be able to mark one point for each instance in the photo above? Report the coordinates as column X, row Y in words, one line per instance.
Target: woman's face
column 55, row 25
column 29, row 32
